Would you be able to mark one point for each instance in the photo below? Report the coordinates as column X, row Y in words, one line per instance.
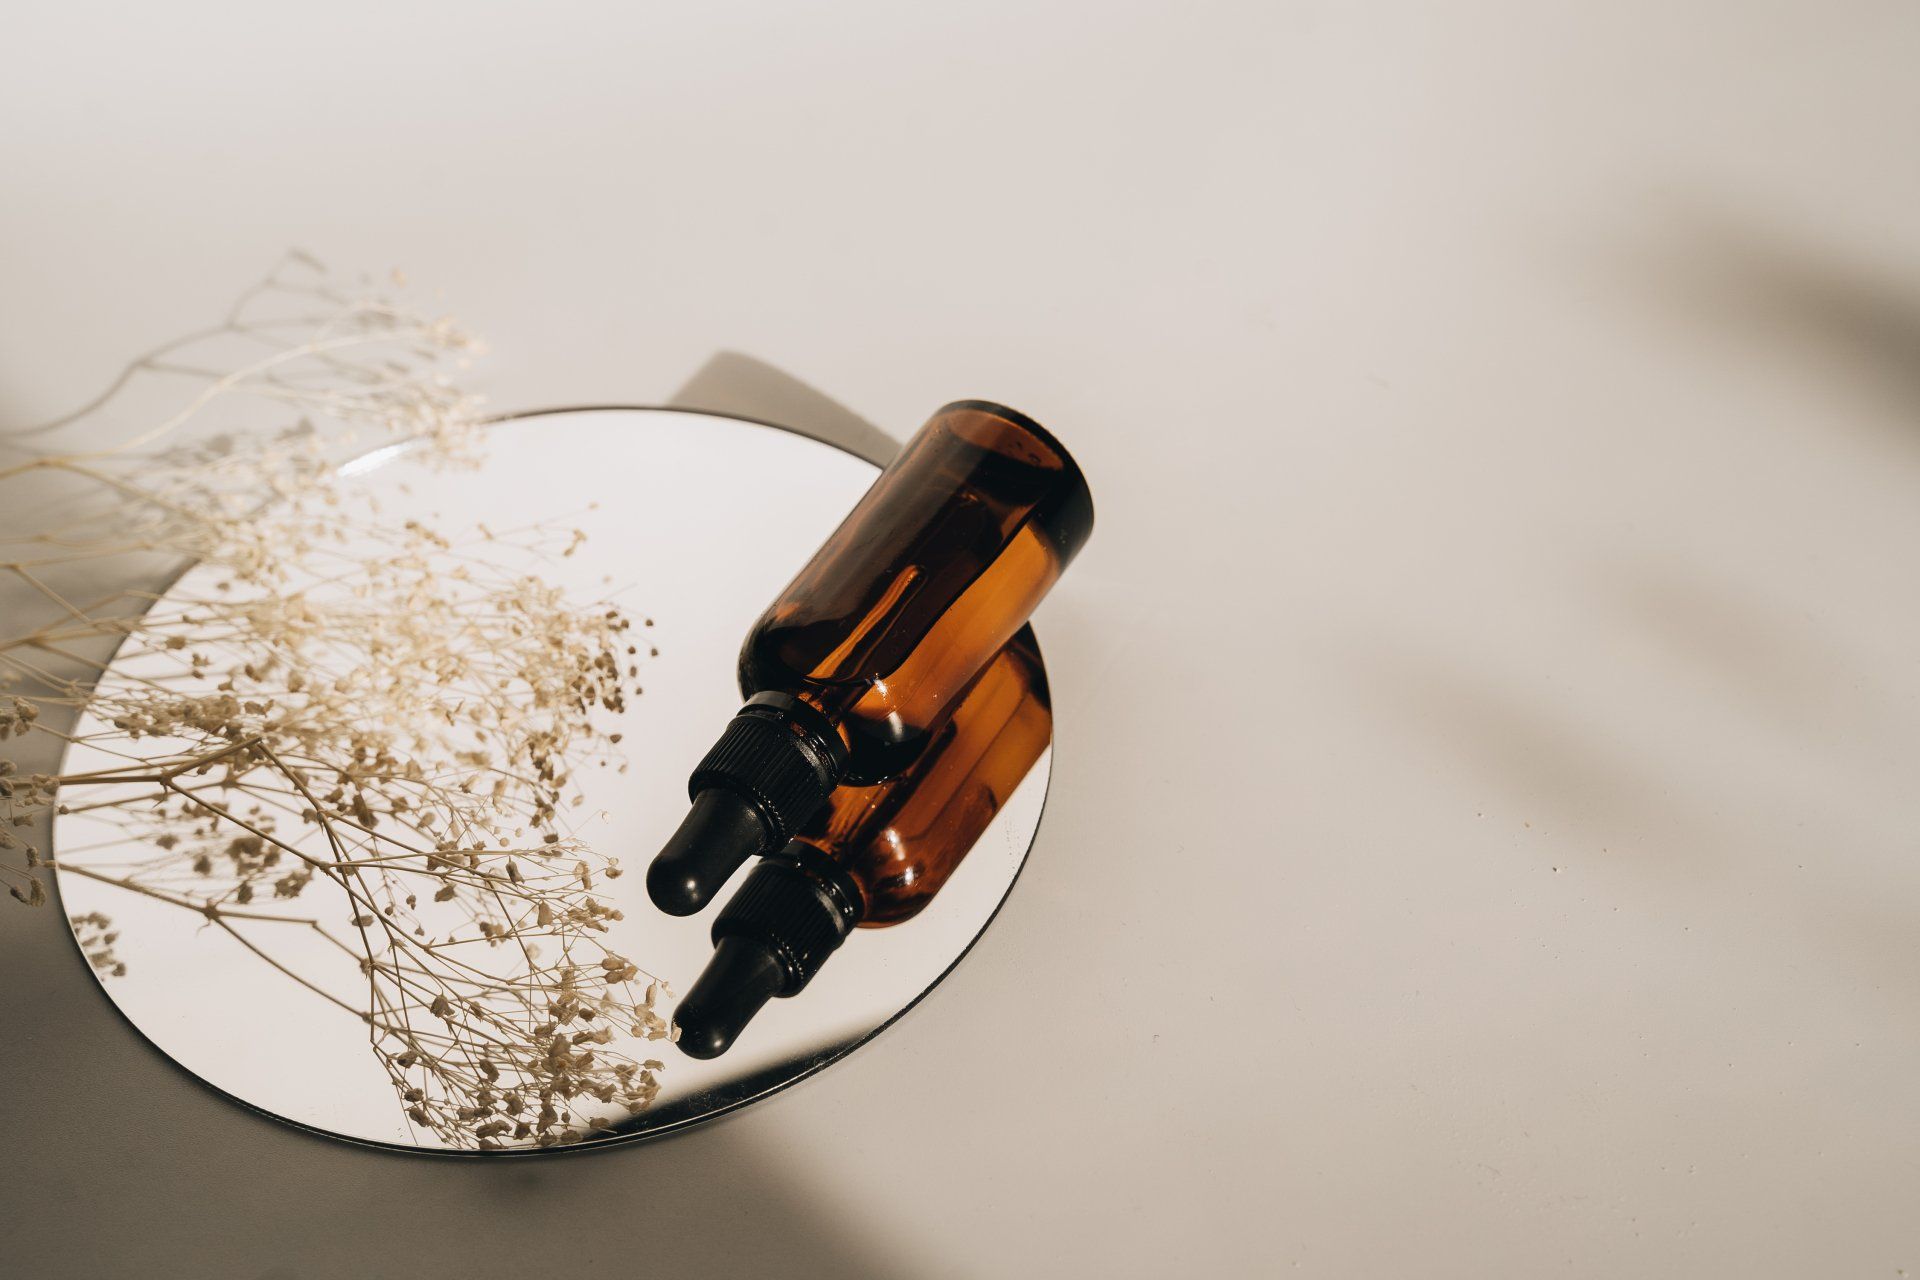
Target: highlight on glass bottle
column 858, row 663
column 875, row 855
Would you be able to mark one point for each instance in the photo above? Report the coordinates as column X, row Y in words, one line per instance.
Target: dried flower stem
column 393, row 712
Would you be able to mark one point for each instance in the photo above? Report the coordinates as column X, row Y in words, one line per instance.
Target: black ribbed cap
column 800, row 905
column 772, row 769
column 773, row 758
column 769, row 940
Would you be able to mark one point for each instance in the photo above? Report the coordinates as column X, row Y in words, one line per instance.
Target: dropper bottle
column 875, row 857
column 863, row 655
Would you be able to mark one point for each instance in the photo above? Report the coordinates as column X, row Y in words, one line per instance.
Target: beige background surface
column 1484, row 837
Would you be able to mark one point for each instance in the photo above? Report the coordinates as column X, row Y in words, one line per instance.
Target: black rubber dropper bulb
column 769, row 940
column 772, row 769
column 718, row 835
column 743, row 975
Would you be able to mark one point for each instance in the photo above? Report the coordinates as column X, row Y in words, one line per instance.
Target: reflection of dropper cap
column 776, row 764
column 769, row 940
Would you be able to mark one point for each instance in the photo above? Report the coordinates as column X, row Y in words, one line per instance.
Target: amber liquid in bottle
column 935, row 569
column 862, row 657
column 876, row 855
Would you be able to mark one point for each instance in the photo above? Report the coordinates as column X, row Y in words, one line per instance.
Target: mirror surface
column 692, row 521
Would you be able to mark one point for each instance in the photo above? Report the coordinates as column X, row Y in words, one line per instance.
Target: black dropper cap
column 774, row 767
column 742, row 976
column 769, row 940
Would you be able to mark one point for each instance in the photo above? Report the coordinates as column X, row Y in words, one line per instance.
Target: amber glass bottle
column 860, row 659
column 876, row 855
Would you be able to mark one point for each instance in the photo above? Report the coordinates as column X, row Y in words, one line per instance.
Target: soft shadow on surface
column 120, row 1166
column 121, row 1163
column 1622, row 754
column 1758, row 653
column 1604, row 798
column 1774, row 290
column 1579, row 777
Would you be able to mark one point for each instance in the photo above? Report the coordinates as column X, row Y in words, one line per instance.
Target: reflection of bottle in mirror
column 875, row 856
column 863, row 654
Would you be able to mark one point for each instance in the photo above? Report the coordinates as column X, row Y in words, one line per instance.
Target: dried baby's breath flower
column 371, row 723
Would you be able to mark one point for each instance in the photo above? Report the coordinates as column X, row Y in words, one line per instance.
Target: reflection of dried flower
column 377, row 723
column 96, row 937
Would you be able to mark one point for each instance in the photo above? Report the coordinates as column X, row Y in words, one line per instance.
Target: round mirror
column 691, row 522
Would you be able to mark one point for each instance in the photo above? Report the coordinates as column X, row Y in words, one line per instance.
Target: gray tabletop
column 1482, row 837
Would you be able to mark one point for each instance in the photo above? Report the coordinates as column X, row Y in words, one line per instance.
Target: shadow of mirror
column 736, row 384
